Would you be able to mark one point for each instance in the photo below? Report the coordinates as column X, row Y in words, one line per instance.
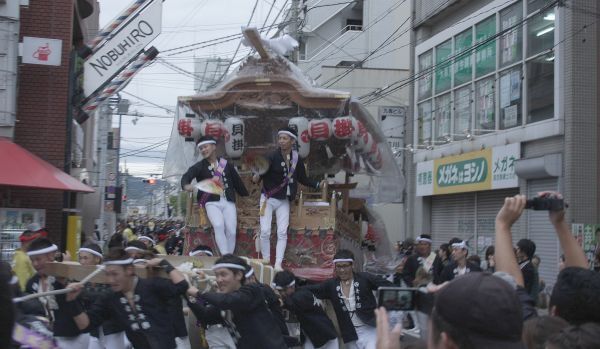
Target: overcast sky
column 184, row 22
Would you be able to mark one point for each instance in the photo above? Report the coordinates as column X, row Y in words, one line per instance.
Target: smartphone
column 396, row 298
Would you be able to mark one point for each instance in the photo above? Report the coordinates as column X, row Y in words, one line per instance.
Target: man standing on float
column 280, row 184
column 220, row 210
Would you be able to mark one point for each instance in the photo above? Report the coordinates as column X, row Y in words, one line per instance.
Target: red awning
column 20, row 168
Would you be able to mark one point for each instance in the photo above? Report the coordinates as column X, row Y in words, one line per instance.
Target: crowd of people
column 461, row 303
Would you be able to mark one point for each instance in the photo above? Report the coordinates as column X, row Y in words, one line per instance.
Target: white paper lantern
column 300, row 124
column 319, row 129
column 213, row 128
column 344, row 127
column 234, row 137
column 189, row 128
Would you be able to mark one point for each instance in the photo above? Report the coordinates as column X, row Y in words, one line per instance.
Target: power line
column 147, row 101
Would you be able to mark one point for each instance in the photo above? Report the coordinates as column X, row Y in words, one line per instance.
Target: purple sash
column 286, row 180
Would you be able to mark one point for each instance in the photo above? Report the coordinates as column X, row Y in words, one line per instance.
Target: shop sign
column 588, row 237
column 481, row 170
column 41, row 51
column 425, row 178
column 122, row 47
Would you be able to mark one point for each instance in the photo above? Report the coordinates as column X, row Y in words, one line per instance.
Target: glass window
column 510, row 98
column 511, row 43
column 462, row 64
column 485, row 55
column 540, row 33
column 485, row 104
column 443, row 78
column 462, row 111
column 540, row 88
column 534, row 5
column 425, row 63
column 424, row 121
column 442, row 116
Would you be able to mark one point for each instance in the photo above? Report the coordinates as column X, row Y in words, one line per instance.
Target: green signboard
column 466, row 172
column 462, row 64
column 485, row 55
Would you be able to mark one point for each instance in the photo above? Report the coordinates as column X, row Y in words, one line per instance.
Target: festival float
column 337, row 138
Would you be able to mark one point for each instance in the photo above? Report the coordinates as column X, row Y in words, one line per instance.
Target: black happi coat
column 231, row 180
column 277, row 173
column 313, row 320
column 251, row 316
column 63, row 324
column 413, row 263
column 95, row 293
column 364, row 285
column 450, row 271
column 148, row 325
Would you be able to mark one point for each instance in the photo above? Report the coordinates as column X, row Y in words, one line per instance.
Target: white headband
column 210, row 141
column 48, row 249
column 133, row 248
column 288, row 285
column 140, row 261
column 287, row 133
column 147, row 238
column 195, row 253
column 461, row 244
column 228, row 265
column 342, row 260
column 249, row 273
column 89, row 250
column 424, row 240
column 119, row 262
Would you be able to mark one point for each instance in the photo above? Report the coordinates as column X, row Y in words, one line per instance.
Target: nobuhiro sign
column 122, row 47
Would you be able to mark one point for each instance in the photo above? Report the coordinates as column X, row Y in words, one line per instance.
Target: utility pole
column 294, row 29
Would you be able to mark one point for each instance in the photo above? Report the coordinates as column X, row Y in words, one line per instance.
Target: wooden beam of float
column 75, row 271
column 253, row 37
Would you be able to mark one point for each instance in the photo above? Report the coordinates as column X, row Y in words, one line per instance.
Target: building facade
column 38, row 116
column 361, row 47
column 504, row 102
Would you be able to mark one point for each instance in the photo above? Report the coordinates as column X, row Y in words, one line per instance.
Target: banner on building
column 588, row 237
column 475, row 171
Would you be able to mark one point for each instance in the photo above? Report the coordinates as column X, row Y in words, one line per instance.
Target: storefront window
column 534, row 5
column 540, row 88
column 442, row 116
column 462, row 64
column 485, row 55
column 443, row 78
column 462, row 111
column 485, row 105
column 540, row 33
column 425, row 121
column 425, row 63
column 510, row 98
column 511, row 43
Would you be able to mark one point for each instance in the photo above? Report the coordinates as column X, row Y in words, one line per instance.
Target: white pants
column 423, row 323
column 367, row 338
column 218, row 337
column 110, row 341
column 183, row 342
column 80, row 342
column 332, row 344
column 223, row 218
column 282, row 214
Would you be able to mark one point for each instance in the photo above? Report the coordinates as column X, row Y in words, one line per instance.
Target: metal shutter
column 541, row 231
column 452, row 216
column 488, row 205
